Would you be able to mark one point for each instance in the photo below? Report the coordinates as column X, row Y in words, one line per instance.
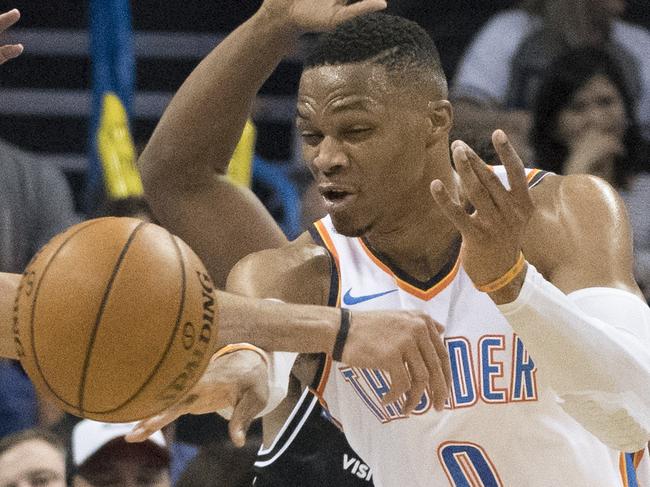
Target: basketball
column 114, row 319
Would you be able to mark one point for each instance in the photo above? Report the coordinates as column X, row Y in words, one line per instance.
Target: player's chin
column 348, row 224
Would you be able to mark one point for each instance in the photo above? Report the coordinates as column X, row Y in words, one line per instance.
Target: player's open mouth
column 336, row 197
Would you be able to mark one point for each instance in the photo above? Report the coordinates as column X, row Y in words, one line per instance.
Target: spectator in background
column 221, row 464
column 502, row 67
column 583, row 123
column 101, row 457
column 32, row 458
column 479, row 137
column 35, row 204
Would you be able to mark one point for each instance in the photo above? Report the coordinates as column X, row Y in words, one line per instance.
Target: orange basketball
column 115, row 319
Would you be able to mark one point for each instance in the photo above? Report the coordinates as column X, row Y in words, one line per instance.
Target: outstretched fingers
column 361, row 8
column 419, row 376
column 432, row 349
column 8, row 19
column 9, row 51
column 489, row 180
column 514, row 167
column 144, row 429
column 452, row 209
column 465, row 161
column 244, row 412
column 442, row 381
column 400, row 383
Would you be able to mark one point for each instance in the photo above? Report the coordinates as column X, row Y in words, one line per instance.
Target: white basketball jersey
column 502, row 425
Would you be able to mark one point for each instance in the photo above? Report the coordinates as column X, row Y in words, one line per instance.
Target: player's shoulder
column 571, row 211
column 577, row 196
column 298, row 272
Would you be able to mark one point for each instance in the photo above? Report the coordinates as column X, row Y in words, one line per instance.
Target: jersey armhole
column 290, row 429
column 320, row 237
column 535, row 176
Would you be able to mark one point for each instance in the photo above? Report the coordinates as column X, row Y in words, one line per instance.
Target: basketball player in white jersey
column 549, row 341
column 222, row 209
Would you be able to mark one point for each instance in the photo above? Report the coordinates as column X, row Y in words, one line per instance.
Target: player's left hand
column 493, row 232
column 238, row 380
column 9, row 51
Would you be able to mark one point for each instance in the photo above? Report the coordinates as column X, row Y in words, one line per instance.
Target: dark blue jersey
column 310, row 451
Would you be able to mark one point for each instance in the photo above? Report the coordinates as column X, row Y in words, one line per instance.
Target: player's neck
column 420, row 244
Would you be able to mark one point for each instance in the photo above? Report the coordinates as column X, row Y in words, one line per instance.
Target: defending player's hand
column 238, row 380
column 493, row 232
column 318, row 15
column 407, row 345
column 9, row 51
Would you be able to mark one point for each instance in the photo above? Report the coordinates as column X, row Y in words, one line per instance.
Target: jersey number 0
column 467, row 465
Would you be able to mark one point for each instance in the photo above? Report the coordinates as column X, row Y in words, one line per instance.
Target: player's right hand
column 237, row 381
column 407, row 345
column 318, row 15
column 9, row 51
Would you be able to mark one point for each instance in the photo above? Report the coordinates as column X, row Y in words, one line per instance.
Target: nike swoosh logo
column 350, row 300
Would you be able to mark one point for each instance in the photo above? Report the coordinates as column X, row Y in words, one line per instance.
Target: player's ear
column 440, row 117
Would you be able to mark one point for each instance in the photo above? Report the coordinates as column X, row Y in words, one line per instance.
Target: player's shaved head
column 401, row 46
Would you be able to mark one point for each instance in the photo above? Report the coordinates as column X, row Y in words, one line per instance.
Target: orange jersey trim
column 622, row 465
column 638, row 456
column 327, row 368
column 425, row 295
column 320, row 389
column 622, row 468
column 532, row 174
column 529, row 176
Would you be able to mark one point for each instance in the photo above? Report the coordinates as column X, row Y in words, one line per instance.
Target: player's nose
column 330, row 157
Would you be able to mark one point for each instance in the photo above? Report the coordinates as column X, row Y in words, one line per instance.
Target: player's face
column 597, row 106
column 32, row 463
column 363, row 138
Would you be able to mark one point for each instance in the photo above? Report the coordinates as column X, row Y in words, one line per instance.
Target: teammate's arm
column 581, row 316
column 183, row 164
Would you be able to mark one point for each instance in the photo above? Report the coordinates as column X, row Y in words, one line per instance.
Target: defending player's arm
column 405, row 344
column 582, row 318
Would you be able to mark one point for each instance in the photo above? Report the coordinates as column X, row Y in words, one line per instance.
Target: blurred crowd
column 569, row 80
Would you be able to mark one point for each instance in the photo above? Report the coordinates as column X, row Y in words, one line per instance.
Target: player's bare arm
column 406, row 344
column 9, row 51
column 8, row 288
column 581, row 315
column 183, row 164
column 8, row 282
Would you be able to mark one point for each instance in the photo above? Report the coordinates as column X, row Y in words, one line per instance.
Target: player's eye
column 357, row 132
column 311, row 138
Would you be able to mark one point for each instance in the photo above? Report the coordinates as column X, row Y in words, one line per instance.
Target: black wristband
column 342, row 335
